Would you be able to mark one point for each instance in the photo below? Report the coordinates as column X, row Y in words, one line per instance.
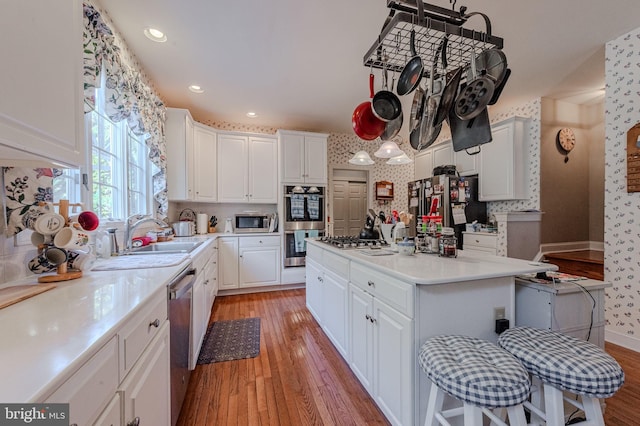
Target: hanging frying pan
column 392, row 128
column 365, row 124
column 416, row 108
column 475, row 96
column 493, row 63
column 412, row 71
column 385, row 104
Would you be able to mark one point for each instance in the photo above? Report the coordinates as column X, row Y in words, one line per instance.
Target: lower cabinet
column 380, row 345
column 146, row 390
column 247, row 262
column 198, row 321
column 314, row 294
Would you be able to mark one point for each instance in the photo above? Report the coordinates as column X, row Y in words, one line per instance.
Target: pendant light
column 400, row 159
column 388, row 149
column 361, row 158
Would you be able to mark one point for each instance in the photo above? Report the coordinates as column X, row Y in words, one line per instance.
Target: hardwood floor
column 298, row 378
column 623, row 408
column 586, row 263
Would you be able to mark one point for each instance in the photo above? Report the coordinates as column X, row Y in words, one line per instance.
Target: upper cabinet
column 205, row 182
column 41, row 91
column 434, row 156
column 502, row 165
column 180, row 160
column 247, row 169
column 304, row 157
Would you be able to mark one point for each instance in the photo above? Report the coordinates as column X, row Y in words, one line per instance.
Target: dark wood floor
column 586, row 263
column 300, row 379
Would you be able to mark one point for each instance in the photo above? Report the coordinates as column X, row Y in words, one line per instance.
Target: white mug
column 82, row 261
column 71, row 237
column 49, row 223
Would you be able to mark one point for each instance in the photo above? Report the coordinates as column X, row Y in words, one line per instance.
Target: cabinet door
column 496, row 166
column 335, row 310
column 263, row 170
column 112, row 414
column 314, row 282
column 361, row 336
column 466, row 164
column 41, row 87
column 259, row 266
column 146, row 392
column 315, row 159
column 228, row 270
column 293, row 157
column 233, row 173
column 205, row 180
column 392, row 363
column 180, row 170
column 423, row 165
column 443, row 154
column 198, row 321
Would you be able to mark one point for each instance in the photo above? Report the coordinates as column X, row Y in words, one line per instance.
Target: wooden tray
column 18, row 293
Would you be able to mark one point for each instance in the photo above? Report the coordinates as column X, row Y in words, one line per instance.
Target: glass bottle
column 448, row 243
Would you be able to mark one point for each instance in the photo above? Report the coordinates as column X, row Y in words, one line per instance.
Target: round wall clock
column 566, row 140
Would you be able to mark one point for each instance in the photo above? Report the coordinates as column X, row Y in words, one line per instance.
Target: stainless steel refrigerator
column 454, row 198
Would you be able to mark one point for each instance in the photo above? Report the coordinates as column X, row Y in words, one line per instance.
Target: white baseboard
column 623, row 340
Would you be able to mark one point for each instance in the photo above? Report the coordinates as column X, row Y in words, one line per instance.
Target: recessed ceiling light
column 196, row 89
column 252, row 114
column 155, row 35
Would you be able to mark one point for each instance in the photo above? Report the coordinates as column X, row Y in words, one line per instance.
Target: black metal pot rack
column 391, row 49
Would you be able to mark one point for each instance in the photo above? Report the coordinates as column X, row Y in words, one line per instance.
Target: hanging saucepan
column 385, row 104
column 416, row 108
column 452, row 79
column 412, row 72
column 392, row 127
column 475, row 96
column 365, row 124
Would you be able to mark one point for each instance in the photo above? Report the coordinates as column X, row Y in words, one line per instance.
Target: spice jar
column 448, row 243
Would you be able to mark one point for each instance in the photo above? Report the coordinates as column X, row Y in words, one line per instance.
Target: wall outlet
column 499, row 313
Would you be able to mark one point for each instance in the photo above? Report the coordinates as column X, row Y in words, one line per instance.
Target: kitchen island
column 379, row 309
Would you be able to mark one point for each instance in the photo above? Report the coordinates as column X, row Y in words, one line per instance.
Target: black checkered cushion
column 474, row 371
column 565, row 362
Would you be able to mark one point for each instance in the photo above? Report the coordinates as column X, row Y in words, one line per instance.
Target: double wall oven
column 303, row 216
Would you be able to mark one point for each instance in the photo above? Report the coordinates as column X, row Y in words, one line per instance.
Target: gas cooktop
column 348, row 242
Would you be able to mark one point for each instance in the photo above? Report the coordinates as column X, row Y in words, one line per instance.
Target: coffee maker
column 368, row 232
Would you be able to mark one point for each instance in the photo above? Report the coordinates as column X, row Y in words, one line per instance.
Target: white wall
column 622, row 210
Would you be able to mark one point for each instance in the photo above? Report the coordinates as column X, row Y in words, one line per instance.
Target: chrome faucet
column 133, row 222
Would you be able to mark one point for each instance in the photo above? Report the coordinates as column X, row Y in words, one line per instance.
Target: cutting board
column 18, row 293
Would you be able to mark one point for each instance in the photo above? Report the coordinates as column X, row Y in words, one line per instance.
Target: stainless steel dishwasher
column 180, row 292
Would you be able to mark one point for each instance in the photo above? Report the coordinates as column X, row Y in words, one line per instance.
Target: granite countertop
column 425, row 269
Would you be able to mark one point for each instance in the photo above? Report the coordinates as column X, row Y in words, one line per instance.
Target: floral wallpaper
column 622, row 209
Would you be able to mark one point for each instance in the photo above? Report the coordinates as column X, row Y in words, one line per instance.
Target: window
column 120, row 168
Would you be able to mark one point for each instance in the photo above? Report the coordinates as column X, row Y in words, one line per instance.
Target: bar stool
column 479, row 374
column 564, row 363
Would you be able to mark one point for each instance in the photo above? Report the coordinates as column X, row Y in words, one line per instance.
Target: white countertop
column 422, row 268
column 46, row 337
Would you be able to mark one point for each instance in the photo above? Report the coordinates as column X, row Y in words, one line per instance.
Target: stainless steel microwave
column 252, row 222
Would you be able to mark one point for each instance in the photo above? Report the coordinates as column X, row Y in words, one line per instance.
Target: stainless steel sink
column 168, row 247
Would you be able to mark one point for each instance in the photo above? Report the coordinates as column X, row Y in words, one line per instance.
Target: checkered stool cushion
column 565, row 362
column 474, row 371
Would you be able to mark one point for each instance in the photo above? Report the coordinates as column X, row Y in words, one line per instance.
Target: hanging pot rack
column 391, row 50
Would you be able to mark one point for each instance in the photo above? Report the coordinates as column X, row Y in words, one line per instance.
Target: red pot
column 365, row 124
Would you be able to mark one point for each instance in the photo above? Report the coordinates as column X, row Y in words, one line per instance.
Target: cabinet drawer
column 337, row 264
column 477, row 239
column 477, row 250
column 314, row 252
column 136, row 334
column 259, row 241
column 392, row 291
column 91, row 387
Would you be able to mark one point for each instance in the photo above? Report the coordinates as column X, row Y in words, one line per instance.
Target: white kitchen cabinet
column 480, row 242
column 205, row 181
column 335, row 299
column 41, row 90
column 442, row 154
column 380, row 353
column 146, row 390
column 228, row 258
column 503, row 164
column 179, row 130
column 198, row 321
column 112, row 414
column 304, row 157
column 466, row 165
column 423, row 165
column 247, row 169
column 211, row 281
column 314, row 293
column 259, row 261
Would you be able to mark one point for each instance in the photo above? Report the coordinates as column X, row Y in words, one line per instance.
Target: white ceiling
column 299, row 64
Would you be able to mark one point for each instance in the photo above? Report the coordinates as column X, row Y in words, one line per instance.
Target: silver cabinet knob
column 155, row 323
column 134, row 422
column 371, row 283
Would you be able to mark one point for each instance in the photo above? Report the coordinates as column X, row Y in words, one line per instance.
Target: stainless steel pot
column 184, row 228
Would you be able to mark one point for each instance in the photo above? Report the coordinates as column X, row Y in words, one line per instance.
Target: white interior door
column 349, row 206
